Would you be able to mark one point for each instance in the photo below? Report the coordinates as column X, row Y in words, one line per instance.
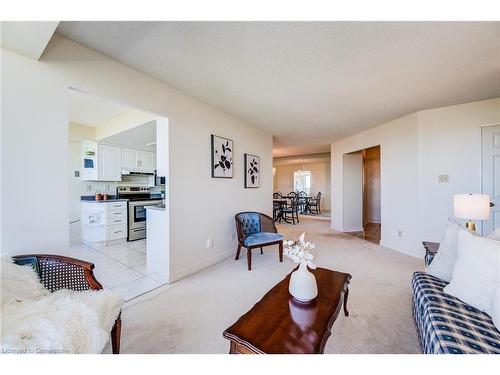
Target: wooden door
column 491, row 174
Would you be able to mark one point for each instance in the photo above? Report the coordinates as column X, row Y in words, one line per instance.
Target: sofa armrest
column 431, row 248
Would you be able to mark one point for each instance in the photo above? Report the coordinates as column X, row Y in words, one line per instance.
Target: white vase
column 303, row 284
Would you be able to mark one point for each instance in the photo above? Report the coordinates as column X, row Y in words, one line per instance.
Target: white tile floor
column 121, row 268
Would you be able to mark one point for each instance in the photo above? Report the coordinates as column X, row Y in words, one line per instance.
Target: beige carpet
column 190, row 315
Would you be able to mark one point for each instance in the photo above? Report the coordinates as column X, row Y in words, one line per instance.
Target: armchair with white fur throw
column 54, row 304
column 256, row 230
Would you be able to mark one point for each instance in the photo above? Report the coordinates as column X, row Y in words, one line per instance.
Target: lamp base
column 470, row 225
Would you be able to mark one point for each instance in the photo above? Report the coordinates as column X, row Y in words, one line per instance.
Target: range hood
column 131, row 173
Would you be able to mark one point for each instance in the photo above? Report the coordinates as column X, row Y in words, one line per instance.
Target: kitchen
column 118, row 192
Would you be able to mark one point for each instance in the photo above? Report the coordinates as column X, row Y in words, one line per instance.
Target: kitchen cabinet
column 147, row 161
column 137, row 160
column 129, row 159
column 109, row 163
column 103, row 223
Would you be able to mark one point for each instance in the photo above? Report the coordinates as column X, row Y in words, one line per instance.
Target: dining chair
column 315, row 203
column 302, row 202
column 292, row 209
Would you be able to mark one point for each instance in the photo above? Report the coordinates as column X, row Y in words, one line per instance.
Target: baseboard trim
column 201, row 266
column 353, row 230
column 402, row 251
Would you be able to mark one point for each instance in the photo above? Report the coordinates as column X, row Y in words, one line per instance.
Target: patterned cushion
column 251, row 223
column 262, row 238
column 448, row 325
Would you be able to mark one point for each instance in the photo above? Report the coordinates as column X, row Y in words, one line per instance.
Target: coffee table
column 280, row 324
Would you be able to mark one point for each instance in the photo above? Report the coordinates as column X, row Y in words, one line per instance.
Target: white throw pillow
column 495, row 303
column 495, row 308
column 475, row 275
column 495, row 235
column 444, row 260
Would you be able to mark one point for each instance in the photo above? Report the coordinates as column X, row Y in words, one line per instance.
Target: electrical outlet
column 443, row 178
column 210, row 243
column 400, row 233
column 107, row 187
column 89, row 187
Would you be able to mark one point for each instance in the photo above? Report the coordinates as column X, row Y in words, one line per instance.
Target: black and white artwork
column 252, row 171
column 222, row 157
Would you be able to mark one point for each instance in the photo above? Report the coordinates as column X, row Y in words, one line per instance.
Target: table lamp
column 471, row 207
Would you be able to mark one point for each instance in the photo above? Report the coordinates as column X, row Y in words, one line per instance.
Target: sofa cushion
column 251, row 222
column 262, row 238
column 475, row 274
column 448, row 325
column 444, row 260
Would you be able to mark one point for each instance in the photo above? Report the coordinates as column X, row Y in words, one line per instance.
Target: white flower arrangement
column 298, row 251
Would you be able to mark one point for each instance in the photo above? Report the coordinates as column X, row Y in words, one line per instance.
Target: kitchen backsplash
column 92, row 187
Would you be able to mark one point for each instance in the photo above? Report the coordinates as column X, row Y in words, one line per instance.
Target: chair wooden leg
column 249, row 258
column 238, row 253
column 261, row 251
column 280, row 251
column 115, row 335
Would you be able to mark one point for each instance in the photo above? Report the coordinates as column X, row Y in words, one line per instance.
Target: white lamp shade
column 471, row 206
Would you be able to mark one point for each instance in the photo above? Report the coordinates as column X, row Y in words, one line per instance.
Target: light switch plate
column 443, row 178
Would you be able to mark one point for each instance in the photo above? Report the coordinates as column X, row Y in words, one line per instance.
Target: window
column 302, row 181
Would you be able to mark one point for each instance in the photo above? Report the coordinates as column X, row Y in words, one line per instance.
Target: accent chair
column 256, row 230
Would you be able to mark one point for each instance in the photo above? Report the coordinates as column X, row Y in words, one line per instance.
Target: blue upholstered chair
column 256, row 230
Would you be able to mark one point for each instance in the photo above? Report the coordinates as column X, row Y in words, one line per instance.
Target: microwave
column 159, row 181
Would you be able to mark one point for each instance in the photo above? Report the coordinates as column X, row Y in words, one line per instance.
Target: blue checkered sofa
column 445, row 324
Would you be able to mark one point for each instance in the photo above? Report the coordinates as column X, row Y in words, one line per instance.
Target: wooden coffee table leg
column 280, row 251
column 346, row 295
column 232, row 347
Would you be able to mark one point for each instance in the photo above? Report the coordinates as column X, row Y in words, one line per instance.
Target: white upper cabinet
column 109, row 163
column 146, row 161
column 137, row 160
column 130, row 159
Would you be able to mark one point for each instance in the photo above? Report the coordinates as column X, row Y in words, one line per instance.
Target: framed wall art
column 252, row 171
column 222, row 157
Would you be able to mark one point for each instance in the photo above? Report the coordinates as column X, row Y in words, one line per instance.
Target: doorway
column 118, row 166
column 490, row 172
column 362, row 194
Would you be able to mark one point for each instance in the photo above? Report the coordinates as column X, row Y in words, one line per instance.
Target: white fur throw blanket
column 33, row 320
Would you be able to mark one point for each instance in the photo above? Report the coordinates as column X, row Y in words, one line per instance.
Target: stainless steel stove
column 138, row 198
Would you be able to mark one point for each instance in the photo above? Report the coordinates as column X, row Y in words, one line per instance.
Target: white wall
column 35, row 146
column 398, row 170
column 353, row 192
column 415, row 149
column 449, row 142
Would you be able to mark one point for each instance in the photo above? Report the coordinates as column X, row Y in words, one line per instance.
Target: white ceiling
column 27, row 38
column 92, row 110
column 309, row 83
column 141, row 136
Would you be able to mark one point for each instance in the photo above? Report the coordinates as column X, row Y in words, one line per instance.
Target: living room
column 255, row 109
